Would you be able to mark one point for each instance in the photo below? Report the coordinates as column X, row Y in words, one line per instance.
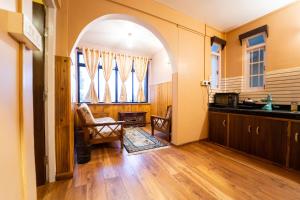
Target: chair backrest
column 169, row 112
column 85, row 114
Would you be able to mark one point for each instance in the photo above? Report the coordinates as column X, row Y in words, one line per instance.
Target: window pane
column 215, row 71
column 215, row 48
column 260, row 39
column 84, row 84
column 135, row 87
column 254, row 81
column 251, row 57
column 96, row 83
column 255, row 56
column 261, row 68
column 101, row 85
column 80, row 58
column 254, row 69
column 262, row 54
column 112, row 86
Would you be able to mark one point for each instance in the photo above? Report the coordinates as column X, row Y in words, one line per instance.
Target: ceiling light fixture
column 129, row 41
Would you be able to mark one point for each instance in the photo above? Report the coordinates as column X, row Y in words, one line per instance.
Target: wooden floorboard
column 195, row 171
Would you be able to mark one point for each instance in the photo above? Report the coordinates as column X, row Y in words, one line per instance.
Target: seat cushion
column 86, row 114
column 105, row 131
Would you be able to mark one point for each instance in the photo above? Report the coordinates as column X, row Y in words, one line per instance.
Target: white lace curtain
column 140, row 66
column 92, row 58
column 107, row 66
column 125, row 67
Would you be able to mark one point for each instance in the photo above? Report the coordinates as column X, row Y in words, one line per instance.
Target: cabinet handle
column 224, row 123
column 249, row 128
column 296, row 137
column 257, row 130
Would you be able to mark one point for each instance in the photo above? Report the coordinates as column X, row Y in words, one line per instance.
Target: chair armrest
column 158, row 117
column 105, row 124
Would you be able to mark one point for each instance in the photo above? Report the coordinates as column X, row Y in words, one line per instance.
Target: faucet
column 268, row 106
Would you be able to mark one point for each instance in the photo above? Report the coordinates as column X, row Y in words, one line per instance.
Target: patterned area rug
column 136, row 141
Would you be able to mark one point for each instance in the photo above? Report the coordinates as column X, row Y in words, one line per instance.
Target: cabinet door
column 240, row 132
column 295, row 146
column 218, row 127
column 257, row 138
column 270, row 138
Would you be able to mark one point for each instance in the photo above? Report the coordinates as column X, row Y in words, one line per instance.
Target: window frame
column 247, row 61
column 219, row 64
column 146, row 85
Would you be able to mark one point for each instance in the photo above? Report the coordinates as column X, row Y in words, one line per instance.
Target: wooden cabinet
column 133, row 119
column 295, row 146
column 218, row 127
column 260, row 136
column 240, row 131
column 272, row 139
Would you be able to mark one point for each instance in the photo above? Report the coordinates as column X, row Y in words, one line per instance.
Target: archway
column 147, row 26
column 134, row 20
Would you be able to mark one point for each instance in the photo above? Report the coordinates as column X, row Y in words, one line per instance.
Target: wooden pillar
column 64, row 137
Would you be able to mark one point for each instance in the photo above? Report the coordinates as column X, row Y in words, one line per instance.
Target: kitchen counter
column 275, row 113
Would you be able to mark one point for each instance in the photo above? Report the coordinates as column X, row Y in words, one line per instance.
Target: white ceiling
column 226, row 15
column 114, row 35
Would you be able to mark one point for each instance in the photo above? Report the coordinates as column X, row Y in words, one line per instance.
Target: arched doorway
column 134, row 20
column 159, row 78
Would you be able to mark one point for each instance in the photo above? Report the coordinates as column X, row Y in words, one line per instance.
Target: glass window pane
column 254, row 69
column 261, row 68
column 255, row 56
column 135, row 87
column 262, row 55
column 214, row 71
column 254, row 81
column 84, row 84
column 101, row 85
column 128, row 85
column 259, row 39
column 112, row 86
column 80, row 58
column 251, row 57
column 215, row 48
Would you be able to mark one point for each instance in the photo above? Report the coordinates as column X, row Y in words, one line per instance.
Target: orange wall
column 17, row 168
column 160, row 68
column 282, row 45
column 185, row 47
column 10, row 157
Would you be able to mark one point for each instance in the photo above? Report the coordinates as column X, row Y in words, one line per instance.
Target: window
column 255, row 66
column 114, row 83
column 215, row 65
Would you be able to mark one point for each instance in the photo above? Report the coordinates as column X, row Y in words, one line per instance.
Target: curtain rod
column 80, row 49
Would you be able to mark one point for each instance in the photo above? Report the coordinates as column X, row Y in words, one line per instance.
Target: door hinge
column 46, row 160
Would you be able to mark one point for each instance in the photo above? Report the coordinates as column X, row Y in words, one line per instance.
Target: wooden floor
column 194, row 171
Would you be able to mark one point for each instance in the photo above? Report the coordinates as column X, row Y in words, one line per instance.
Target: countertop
column 258, row 112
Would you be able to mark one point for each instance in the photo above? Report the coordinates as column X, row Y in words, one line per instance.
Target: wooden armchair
column 99, row 130
column 163, row 124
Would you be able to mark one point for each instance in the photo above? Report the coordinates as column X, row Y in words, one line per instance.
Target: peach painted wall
column 183, row 38
column 282, row 45
column 10, row 156
column 160, row 69
column 17, row 169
